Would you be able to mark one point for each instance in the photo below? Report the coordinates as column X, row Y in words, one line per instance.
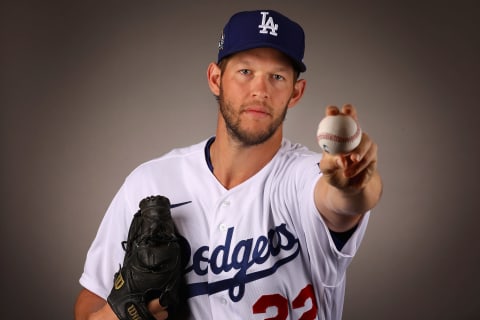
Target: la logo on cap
column 268, row 24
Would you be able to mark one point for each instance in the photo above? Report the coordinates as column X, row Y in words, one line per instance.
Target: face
column 255, row 90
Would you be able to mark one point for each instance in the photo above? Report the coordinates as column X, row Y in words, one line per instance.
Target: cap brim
column 298, row 65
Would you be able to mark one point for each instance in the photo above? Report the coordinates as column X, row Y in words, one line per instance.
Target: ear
column 213, row 76
column 298, row 89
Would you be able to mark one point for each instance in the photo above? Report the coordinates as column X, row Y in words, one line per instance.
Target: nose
column 260, row 87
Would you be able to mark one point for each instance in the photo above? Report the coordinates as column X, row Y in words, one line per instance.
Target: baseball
column 338, row 134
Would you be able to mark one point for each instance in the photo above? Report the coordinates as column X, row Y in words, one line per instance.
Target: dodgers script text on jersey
column 260, row 246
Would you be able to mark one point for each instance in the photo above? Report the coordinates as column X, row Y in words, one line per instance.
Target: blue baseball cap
column 263, row 28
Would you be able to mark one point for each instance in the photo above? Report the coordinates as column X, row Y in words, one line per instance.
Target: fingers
column 332, row 111
column 159, row 312
column 363, row 149
column 365, row 156
column 347, row 109
column 352, row 171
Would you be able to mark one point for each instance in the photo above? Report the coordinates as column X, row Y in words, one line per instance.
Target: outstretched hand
column 350, row 172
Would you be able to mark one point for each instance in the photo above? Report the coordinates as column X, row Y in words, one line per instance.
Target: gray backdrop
column 91, row 89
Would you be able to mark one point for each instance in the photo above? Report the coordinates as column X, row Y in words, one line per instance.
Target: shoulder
column 295, row 154
column 294, row 166
column 183, row 152
column 174, row 162
column 174, row 157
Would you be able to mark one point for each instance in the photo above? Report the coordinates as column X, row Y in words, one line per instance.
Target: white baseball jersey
column 257, row 251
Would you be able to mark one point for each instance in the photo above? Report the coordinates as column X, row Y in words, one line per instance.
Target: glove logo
column 119, row 282
column 133, row 312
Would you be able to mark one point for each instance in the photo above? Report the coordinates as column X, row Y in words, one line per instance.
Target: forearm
column 89, row 306
column 354, row 202
column 342, row 210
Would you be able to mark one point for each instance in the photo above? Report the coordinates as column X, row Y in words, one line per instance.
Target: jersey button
column 223, row 227
column 226, row 203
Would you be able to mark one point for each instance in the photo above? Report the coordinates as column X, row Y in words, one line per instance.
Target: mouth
column 257, row 111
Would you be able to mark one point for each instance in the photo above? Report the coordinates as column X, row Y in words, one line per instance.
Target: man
column 270, row 227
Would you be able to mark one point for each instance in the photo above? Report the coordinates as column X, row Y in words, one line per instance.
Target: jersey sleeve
column 328, row 264
column 106, row 253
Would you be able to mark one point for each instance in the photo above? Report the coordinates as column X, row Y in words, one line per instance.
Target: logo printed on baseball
column 338, row 134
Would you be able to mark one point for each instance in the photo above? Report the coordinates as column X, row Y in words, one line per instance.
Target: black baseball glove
column 152, row 265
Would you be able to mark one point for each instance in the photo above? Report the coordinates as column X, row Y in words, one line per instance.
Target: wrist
column 105, row 313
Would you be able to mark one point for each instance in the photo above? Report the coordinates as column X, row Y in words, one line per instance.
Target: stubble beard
column 233, row 123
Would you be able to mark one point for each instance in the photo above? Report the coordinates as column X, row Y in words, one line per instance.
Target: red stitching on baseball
column 335, row 138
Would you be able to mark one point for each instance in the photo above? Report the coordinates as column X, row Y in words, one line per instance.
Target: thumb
column 157, row 310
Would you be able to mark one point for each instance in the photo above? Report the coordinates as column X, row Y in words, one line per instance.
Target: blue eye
column 245, row 71
column 278, row 77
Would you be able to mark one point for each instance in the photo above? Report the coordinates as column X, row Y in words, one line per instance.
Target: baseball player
column 267, row 227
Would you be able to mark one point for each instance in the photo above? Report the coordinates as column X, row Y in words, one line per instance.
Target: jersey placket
column 221, row 304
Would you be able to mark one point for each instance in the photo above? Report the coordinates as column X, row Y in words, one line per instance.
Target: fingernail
column 339, row 162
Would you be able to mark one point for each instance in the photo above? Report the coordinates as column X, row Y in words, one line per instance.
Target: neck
column 234, row 163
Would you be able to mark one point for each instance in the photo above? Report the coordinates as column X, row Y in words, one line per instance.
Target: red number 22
column 281, row 303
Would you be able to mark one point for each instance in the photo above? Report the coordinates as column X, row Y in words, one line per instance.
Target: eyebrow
column 276, row 67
